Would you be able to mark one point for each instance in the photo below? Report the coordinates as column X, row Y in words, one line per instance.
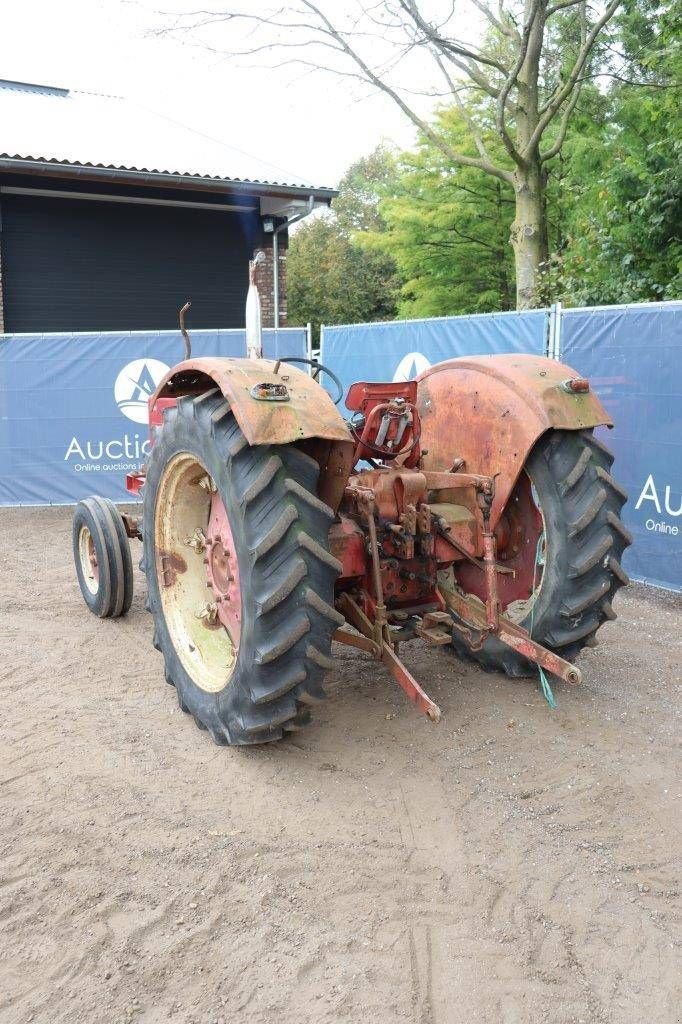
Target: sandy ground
column 511, row 864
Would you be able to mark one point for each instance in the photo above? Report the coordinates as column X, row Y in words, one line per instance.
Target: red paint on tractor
column 517, row 534
column 222, row 569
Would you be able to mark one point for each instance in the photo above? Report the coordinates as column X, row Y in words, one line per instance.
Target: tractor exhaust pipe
column 184, row 331
column 254, row 328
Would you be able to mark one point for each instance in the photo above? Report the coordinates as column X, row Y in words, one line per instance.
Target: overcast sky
column 312, row 125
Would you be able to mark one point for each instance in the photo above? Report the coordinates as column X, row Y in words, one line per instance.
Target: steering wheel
column 318, row 368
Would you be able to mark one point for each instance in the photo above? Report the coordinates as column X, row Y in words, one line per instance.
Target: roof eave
column 126, row 176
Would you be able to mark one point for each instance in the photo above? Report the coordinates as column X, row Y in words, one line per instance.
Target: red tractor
column 472, row 507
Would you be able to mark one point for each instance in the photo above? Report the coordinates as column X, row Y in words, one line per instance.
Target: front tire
column 101, row 552
column 580, row 504
column 254, row 679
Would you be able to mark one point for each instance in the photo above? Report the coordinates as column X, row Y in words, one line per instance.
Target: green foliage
column 621, row 192
column 447, row 228
column 361, row 189
column 334, row 280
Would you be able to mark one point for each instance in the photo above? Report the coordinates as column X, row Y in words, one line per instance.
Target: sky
column 311, row 124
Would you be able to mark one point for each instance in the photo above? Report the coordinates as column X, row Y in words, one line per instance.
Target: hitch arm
column 473, row 617
column 382, row 651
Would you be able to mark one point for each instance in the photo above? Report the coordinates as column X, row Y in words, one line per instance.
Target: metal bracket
column 472, row 617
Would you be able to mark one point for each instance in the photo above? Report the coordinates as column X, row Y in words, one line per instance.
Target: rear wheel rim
column 536, row 550
column 521, row 527
column 87, row 556
column 197, row 572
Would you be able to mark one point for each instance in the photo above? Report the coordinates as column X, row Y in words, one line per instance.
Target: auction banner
column 632, row 356
column 73, row 407
column 402, row 349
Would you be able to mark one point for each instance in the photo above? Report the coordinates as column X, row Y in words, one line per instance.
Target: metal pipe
column 275, row 254
column 254, row 327
column 183, row 330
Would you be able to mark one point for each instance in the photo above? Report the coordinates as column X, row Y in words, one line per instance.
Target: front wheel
column 562, row 536
column 101, row 553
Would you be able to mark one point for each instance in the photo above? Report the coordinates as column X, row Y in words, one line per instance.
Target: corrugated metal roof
column 65, row 126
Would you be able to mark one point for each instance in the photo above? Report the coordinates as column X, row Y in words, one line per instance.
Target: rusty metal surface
column 133, row 526
column 363, row 396
column 374, row 642
column 517, row 533
column 409, row 684
column 309, row 412
column 393, row 489
column 335, row 459
column 490, row 411
column 222, row 569
column 347, row 544
column 474, row 618
column 357, row 640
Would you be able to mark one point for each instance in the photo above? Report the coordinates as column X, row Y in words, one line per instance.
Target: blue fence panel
column 73, row 407
column 402, row 349
column 633, row 358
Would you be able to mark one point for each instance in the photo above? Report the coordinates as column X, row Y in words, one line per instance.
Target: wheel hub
column 88, row 559
column 222, row 569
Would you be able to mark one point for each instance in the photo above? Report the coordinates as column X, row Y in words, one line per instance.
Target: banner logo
column 410, row 366
column 135, row 384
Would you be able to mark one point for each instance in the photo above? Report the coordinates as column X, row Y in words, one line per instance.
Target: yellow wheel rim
column 186, row 502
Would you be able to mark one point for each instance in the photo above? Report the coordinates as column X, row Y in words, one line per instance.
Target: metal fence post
column 551, row 324
column 554, row 332
column 557, row 333
column 309, row 345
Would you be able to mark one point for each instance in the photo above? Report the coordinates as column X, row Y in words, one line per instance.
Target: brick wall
column 265, row 281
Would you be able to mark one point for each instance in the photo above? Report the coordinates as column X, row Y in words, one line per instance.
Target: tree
column 447, row 229
column 332, row 280
column 622, row 198
column 515, row 66
column 362, row 188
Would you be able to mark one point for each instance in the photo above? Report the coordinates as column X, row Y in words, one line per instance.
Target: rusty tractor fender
column 491, row 410
column 302, row 411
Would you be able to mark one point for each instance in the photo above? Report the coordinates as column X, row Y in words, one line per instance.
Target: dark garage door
column 80, row 265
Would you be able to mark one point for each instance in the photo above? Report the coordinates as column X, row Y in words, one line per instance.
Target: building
column 111, row 216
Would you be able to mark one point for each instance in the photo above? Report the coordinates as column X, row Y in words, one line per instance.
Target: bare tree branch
column 553, row 105
column 562, row 6
column 475, row 134
column 499, row 23
column 374, row 41
column 436, row 139
column 570, row 106
column 447, row 45
column 509, row 84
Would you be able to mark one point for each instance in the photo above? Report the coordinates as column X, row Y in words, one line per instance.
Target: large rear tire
column 250, row 675
column 584, row 537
